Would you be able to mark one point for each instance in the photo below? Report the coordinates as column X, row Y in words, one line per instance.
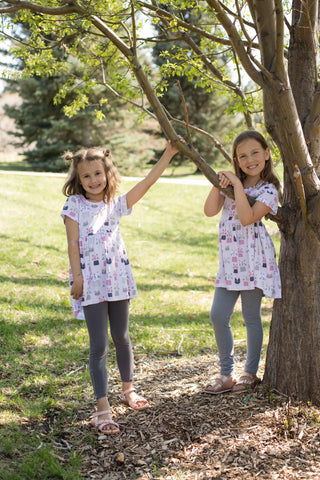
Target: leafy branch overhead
column 107, row 40
column 99, row 49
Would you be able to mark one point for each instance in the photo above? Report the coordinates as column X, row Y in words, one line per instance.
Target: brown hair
column 73, row 185
column 268, row 174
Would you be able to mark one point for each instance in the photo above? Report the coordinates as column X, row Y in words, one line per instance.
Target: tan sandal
column 246, row 381
column 103, row 423
column 221, row 384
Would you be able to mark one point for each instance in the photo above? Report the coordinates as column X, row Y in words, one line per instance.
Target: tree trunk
column 293, row 356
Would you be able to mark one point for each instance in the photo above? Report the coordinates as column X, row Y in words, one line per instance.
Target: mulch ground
column 188, row 434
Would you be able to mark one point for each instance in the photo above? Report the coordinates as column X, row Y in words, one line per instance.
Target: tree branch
column 266, row 28
column 163, row 14
column 216, row 72
column 312, row 129
column 144, row 82
column 185, row 113
column 308, row 19
column 279, row 36
column 237, row 43
column 172, row 119
column 36, row 8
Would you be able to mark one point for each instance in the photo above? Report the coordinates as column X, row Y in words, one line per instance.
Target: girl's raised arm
column 139, row 190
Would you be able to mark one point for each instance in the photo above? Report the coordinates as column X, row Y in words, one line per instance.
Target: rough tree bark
column 293, row 358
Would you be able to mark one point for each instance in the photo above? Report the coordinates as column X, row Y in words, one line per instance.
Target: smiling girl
column 101, row 279
column 247, row 265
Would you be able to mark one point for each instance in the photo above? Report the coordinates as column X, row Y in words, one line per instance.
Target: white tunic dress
column 105, row 267
column 247, row 254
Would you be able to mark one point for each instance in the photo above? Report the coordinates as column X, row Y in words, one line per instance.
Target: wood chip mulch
column 188, row 434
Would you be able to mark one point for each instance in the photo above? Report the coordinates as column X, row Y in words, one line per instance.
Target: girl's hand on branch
column 171, row 148
column 227, row 178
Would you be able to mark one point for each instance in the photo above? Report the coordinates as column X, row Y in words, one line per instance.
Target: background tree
column 44, row 131
column 253, row 34
column 42, row 127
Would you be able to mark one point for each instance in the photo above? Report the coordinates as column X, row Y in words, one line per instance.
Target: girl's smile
column 93, row 179
column 252, row 157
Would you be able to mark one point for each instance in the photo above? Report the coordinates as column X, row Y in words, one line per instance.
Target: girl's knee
column 99, row 349
column 121, row 340
column 218, row 318
column 212, row 318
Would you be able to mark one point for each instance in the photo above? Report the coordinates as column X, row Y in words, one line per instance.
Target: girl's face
column 251, row 158
column 93, row 179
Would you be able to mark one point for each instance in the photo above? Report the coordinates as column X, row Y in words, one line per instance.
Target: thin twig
column 179, row 346
column 185, row 113
column 76, row 370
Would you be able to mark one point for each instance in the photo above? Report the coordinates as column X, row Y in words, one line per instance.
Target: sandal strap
column 105, row 423
column 217, row 382
column 129, row 390
column 247, row 377
column 98, row 414
column 221, row 379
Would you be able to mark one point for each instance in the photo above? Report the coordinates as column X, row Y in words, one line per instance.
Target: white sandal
column 134, row 403
column 101, row 424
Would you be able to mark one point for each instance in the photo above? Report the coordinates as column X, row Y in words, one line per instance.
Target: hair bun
column 68, row 156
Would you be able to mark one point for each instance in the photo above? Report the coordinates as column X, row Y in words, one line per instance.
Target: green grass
column 173, row 249
column 13, row 161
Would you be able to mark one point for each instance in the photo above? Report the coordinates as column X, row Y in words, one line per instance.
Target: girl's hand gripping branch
column 215, row 200
column 247, row 214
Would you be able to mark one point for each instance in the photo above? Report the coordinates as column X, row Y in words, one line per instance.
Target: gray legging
column 97, row 323
column 222, row 308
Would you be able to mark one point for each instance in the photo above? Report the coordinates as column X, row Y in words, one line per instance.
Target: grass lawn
column 173, row 249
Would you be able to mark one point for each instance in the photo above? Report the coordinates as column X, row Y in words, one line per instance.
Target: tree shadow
column 20, row 240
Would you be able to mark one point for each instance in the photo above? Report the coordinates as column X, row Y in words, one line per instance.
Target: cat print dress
column 247, row 254
column 105, row 267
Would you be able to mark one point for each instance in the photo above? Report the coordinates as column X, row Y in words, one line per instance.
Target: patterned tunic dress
column 247, row 254
column 105, row 267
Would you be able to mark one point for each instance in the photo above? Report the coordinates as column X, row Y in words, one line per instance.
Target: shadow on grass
column 16, row 167
column 34, row 281
column 20, row 240
column 178, row 237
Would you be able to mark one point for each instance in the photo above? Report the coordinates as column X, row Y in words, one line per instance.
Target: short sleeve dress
column 247, row 254
column 106, row 270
